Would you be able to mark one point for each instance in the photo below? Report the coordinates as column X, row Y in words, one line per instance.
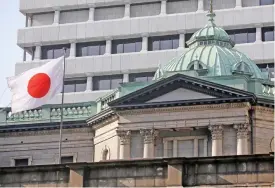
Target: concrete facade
column 64, row 22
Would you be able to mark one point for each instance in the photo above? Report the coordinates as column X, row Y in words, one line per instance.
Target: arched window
column 241, row 67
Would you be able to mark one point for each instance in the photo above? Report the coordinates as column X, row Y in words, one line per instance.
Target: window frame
column 123, row 42
column 163, row 38
column 13, row 159
column 232, row 34
column 266, row 29
column 175, row 144
column 75, row 84
column 262, row 4
column 134, row 76
column 53, row 48
column 96, row 79
column 66, row 155
column 100, row 44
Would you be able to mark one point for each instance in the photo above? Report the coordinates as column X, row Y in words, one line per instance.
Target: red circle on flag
column 39, row 85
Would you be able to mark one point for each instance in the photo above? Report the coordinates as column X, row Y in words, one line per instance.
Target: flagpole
column 62, row 104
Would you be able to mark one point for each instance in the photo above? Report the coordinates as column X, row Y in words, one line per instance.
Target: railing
column 103, row 101
column 49, row 113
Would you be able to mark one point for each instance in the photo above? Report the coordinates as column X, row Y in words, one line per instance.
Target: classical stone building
column 211, row 101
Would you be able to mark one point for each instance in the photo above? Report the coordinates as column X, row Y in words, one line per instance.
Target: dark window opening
column 90, row 49
column 141, row 77
column 75, row 85
column 107, row 82
column 240, row 36
column 67, row 159
column 163, row 42
column 21, row 162
column 268, row 33
column 266, row 2
column 126, row 45
column 187, row 38
column 56, row 51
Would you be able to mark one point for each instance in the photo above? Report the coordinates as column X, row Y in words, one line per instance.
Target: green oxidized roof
column 211, row 52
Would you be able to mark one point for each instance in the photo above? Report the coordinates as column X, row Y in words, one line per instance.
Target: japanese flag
column 36, row 86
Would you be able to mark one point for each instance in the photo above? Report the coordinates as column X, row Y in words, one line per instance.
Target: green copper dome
column 211, row 54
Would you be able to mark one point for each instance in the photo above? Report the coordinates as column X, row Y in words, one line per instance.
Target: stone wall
column 253, row 170
column 263, row 129
column 42, row 147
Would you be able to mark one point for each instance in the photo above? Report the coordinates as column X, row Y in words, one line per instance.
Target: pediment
column 181, row 94
column 177, row 89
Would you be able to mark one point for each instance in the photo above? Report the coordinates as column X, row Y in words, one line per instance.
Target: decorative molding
column 263, row 109
column 124, row 136
column 184, row 108
column 242, row 130
column 149, row 135
column 216, row 132
column 47, row 132
column 104, row 122
column 72, row 112
column 28, row 115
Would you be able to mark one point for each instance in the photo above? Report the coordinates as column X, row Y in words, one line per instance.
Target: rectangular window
column 181, row 6
column 141, row 77
column 74, row 16
column 67, row 159
column 78, row 85
column 268, row 33
column 220, row 4
column 163, row 42
column 21, row 162
column 136, row 145
column 55, row 51
column 107, row 82
column 108, row 13
column 185, row 148
column 170, row 148
column 267, row 67
column 145, row 9
column 240, row 36
column 126, row 45
column 201, row 148
column 266, row 2
column 187, row 38
column 42, row 19
column 90, row 48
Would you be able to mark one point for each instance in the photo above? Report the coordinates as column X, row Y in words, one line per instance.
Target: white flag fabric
column 36, row 86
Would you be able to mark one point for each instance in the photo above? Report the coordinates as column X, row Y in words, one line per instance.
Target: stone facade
column 251, row 171
column 41, row 147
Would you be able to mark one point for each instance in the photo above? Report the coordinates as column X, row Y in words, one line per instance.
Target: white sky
column 10, row 20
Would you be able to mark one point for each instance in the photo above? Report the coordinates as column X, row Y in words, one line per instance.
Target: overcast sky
column 10, row 20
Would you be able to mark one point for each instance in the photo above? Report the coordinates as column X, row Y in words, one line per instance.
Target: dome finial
column 211, row 14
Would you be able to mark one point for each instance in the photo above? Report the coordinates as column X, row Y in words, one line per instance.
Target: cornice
column 104, row 122
column 185, row 108
column 263, row 109
column 47, row 132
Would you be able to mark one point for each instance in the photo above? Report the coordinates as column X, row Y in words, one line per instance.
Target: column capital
column 242, row 130
column 149, row 135
column 216, row 131
column 124, row 136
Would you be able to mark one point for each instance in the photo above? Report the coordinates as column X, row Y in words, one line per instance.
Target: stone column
column 91, row 14
column 29, row 24
column 124, row 149
column 89, row 85
column 258, row 33
column 217, row 135
column 163, row 7
column 125, row 78
column 108, row 50
column 242, row 138
column 127, row 11
column 37, row 53
column 72, row 49
column 149, row 138
column 200, row 6
column 56, row 17
column 144, row 43
column 182, row 41
column 239, row 3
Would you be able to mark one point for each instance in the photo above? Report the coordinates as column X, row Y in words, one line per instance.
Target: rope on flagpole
column 62, row 103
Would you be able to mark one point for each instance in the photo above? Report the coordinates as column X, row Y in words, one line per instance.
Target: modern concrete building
column 115, row 41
